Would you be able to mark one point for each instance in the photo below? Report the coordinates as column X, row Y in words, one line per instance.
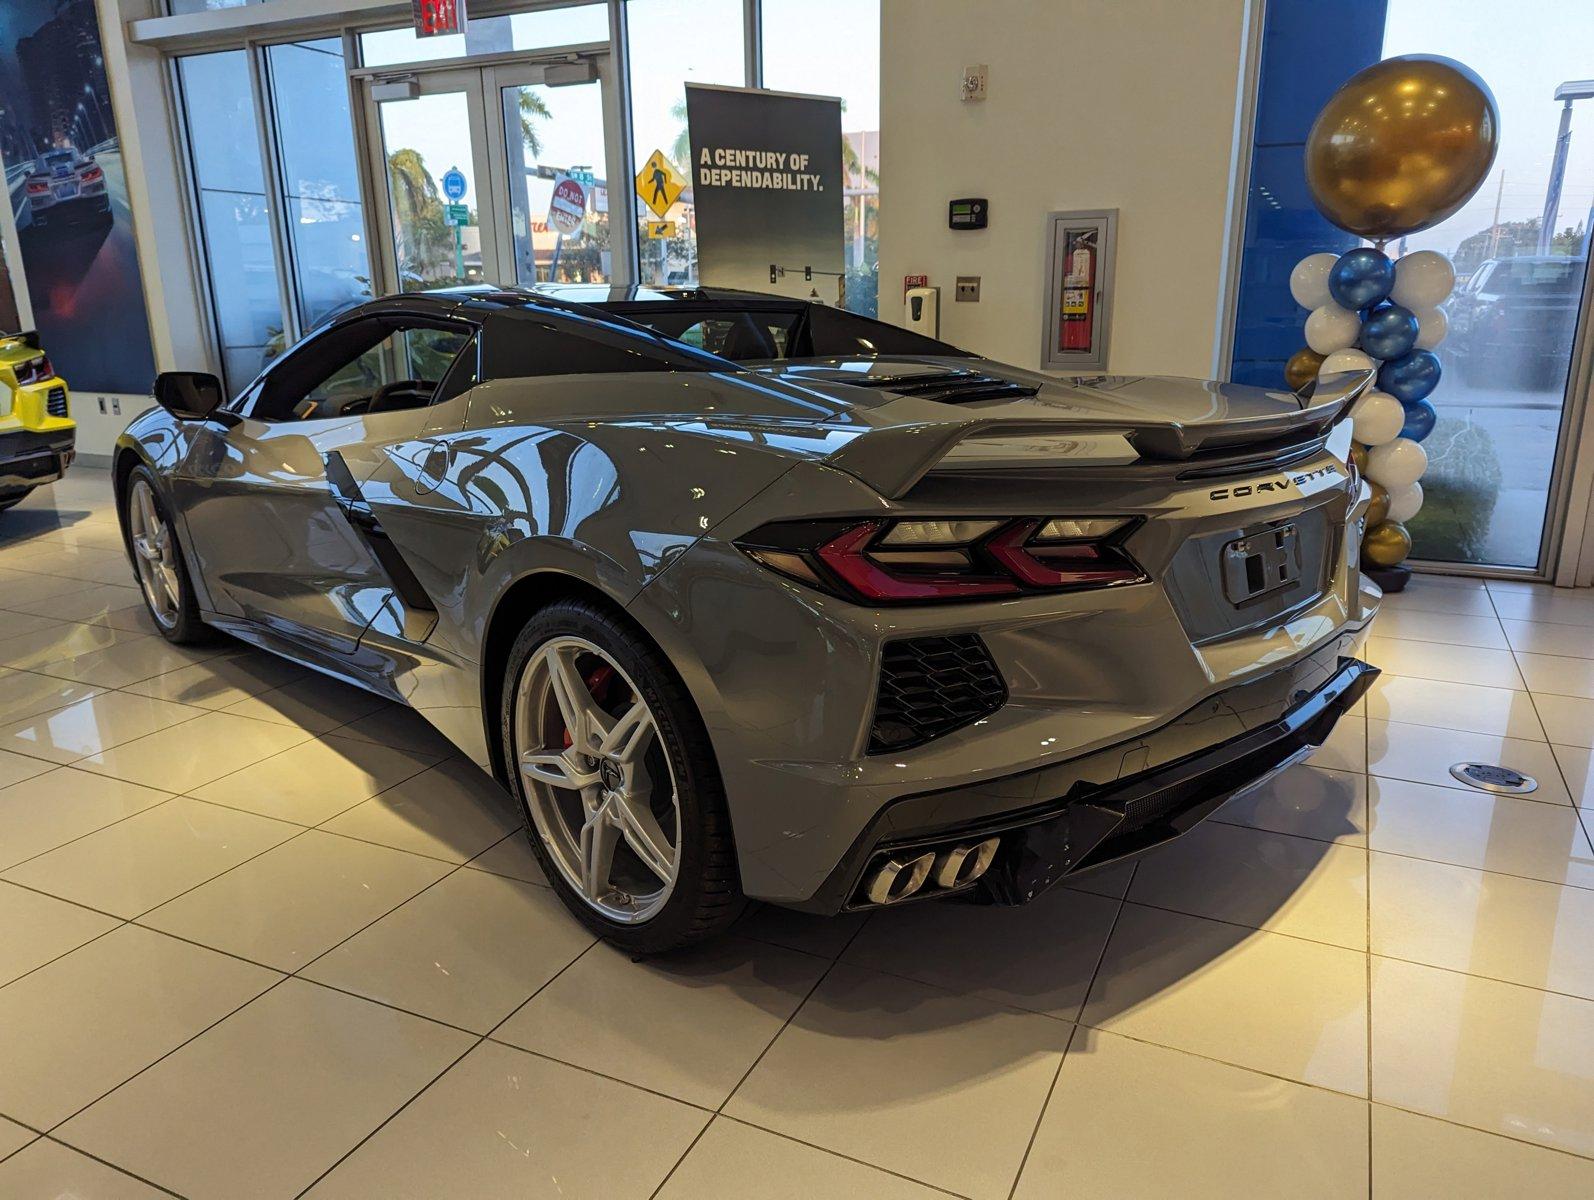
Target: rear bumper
column 29, row 458
column 1091, row 815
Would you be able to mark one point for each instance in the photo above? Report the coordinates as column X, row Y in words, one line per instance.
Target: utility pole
column 1570, row 91
column 1494, row 226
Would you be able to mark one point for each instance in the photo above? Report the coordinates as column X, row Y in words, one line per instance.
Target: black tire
column 186, row 628
column 707, row 893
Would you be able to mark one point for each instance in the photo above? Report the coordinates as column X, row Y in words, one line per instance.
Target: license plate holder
column 1261, row 563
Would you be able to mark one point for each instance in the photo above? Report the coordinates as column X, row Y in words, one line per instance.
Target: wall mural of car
column 746, row 597
column 67, row 186
column 36, row 427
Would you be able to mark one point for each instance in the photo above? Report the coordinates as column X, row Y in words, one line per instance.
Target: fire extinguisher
column 1079, row 295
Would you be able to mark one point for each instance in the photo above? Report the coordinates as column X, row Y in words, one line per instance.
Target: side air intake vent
column 950, row 387
column 55, row 402
column 930, row 686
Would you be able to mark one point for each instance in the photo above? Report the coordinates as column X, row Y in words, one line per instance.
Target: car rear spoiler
column 893, row 458
column 30, row 339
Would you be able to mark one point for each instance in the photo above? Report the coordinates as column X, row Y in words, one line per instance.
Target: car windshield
column 58, row 156
column 1539, row 277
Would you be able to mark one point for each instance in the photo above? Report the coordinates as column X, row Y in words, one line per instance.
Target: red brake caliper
column 598, row 684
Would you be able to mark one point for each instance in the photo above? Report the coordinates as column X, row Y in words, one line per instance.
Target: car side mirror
column 190, row 395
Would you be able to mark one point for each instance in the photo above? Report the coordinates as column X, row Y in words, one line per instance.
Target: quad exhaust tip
column 930, row 871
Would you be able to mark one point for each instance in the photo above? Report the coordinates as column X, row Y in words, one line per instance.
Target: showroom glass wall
column 293, row 242
column 1515, row 358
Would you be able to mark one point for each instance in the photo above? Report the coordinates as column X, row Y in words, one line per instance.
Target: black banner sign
column 767, row 190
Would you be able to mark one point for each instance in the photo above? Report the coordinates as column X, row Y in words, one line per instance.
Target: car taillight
column 92, row 175
column 37, row 187
column 34, row 370
column 910, row 561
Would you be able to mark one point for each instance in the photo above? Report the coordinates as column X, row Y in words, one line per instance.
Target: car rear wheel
column 620, row 790
column 157, row 559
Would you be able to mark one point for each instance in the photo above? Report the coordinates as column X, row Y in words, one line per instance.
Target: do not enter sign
column 567, row 208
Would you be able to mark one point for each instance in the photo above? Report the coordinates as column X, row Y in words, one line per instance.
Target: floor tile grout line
column 105, row 1162
column 1582, row 821
column 791, row 1016
column 198, row 712
column 273, row 986
column 1046, row 1103
column 480, row 1039
column 862, row 1162
column 121, row 921
column 1494, row 1133
column 1101, row 957
column 1367, row 915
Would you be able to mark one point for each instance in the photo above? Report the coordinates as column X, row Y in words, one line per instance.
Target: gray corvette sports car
column 746, row 597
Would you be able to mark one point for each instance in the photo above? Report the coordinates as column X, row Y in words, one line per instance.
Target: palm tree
column 533, row 108
column 423, row 240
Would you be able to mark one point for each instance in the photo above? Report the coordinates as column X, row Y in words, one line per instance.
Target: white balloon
column 1397, row 464
column 1332, row 328
column 1432, row 325
column 1345, row 360
column 1309, row 280
column 1376, row 418
column 1406, row 503
column 1422, row 280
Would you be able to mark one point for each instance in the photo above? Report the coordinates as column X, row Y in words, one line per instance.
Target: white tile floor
column 260, row 935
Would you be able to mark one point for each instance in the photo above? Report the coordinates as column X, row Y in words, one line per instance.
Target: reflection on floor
column 259, row 934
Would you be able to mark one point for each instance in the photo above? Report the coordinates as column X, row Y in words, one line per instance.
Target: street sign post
column 659, row 184
column 454, row 184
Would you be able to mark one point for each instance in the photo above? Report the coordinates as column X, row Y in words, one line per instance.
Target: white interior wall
column 1127, row 104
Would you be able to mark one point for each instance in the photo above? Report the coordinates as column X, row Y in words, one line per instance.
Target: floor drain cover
column 1491, row 777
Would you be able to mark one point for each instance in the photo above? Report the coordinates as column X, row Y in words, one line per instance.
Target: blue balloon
column 1361, row 278
column 1420, row 419
column 1410, row 377
column 1389, row 331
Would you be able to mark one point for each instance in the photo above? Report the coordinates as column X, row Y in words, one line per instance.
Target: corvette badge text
column 1281, row 484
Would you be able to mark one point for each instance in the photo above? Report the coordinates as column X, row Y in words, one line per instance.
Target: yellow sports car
column 36, row 426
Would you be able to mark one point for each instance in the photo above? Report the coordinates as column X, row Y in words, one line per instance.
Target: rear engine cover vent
column 930, row 686
column 951, row 387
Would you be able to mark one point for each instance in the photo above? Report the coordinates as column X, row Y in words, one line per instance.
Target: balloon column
column 1401, row 146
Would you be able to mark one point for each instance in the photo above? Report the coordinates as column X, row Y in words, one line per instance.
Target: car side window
column 369, row 365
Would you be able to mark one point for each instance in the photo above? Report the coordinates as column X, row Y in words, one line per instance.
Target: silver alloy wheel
column 155, row 555
column 600, row 784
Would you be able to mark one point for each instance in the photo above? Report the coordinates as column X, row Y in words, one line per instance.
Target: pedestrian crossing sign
column 658, row 183
column 661, row 229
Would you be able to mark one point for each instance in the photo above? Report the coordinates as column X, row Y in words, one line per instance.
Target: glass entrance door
column 497, row 173
column 556, row 178
column 431, row 142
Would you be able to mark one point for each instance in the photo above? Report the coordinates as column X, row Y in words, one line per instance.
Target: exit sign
column 438, row 18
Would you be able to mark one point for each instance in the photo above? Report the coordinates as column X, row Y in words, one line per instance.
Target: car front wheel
column 621, row 793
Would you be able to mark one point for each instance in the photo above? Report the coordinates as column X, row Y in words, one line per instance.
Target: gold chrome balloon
column 1358, row 455
column 1402, row 145
column 1386, row 545
column 1378, row 511
column 1302, row 368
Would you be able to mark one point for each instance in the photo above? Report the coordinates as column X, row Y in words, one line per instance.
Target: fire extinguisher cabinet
column 1080, row 248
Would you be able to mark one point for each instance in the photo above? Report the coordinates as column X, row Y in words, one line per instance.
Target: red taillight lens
column 93, row 175
column 915, row 561
column 34, row 370
column 37, row 189
column 847, row 556
column 1060, row 564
